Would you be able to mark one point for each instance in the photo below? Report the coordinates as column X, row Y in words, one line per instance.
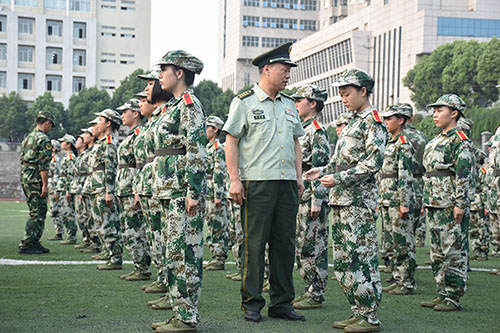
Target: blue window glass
column 465, row 27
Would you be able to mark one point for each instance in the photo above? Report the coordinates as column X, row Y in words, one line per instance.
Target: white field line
column 16, row 262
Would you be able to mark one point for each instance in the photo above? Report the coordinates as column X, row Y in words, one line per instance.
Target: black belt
column 339, row 168
column 306, row 168
column 496, row 172
column 139, row 165
column 126, row 166
column 30, row 164
column 150, row 159
column 388, row 175
column 98, row 168
column 420, row 175
column 170, row 151
column 83, row 173
column 440, row 173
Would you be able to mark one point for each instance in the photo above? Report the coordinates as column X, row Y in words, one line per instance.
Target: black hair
column 188, row 75
column 359, row 89
column 42, row 120
column 400, row 116
column 158, row 94
column 218, row 130
column 319, row 104
column 114, row 126
column 73, row 148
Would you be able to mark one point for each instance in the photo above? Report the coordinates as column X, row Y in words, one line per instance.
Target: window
column 27, row 3
column 3, row 80
column 108, row 34
column 252, row 41
column 56, row 4
column 251, row 3
column 79, row 5
column 3, row 51
column 279, row 23
column 25, row 81
column 128, row 2
column 273, row 42
column 308, row 5
column 251, row 21
column 54, row 56
column 464, row 27
column 287, row 4
column 105, row 58
column 129, row 61
column 107, row 84
column 25, row 53
column 127, row 35
column 54, row 28
column 78, row 83
column 127, row 29
column 108, row 6
column 308, row 25
column 54, row 82
column 80, row 30
column 79, row 58
column 3, row 23
column 126, row 8
column 25, row 25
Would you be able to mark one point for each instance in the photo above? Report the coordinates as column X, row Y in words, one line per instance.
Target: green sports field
column 79, row 298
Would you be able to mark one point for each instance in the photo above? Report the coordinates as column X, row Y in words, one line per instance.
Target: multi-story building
column 248, row 28
column 386, row 38
column 61, row 46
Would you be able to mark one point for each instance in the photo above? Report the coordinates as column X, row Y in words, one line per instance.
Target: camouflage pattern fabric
column 182, row 59
column 478, row 232
column 127, row 171
column 235, row 232
column 107, row 224
column 36, row 151
column 87, row 200
column 80, row 172
column 152, row 212
column 493, row 185
column 67, row 207
column 217, row 218
column 55, row 208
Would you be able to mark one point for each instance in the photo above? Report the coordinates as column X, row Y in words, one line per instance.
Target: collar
column 308, row 121
column 450, row 132
column 395, row 138
column 261, row 94
column 365, row 112
column 133, row 129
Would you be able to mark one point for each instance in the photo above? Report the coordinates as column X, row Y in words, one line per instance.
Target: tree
column 207, row 91
column 129, row 86
column 428, row 126
column 488, row 69
column 83, row 106
column 46, row 102
column 221, row 103
column 15, row 121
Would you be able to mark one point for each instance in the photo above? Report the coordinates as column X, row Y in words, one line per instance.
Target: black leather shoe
column 39, row 246
column 253, row 316
column 292, row 315
column 29, row 250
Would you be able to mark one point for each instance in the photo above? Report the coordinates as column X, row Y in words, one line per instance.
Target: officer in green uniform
column 264, row 162
column 36, row 151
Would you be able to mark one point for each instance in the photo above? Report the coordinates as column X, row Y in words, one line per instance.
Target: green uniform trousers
column 37, row 211
column 269, row 215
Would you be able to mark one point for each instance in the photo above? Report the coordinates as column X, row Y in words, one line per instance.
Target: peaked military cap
column 153, row 75
column 450, row 100
column 47, row 115
column 141, row 94
column 278, row 55
column 311, row 91
column 215, row 121
column 68, row 138
column 111, row 115
column 403, row 109
column 94, row 121
column 131, row 104
column 355, row 77
column 56, row 145
column 182, row 59
column 343, row 118
column 87, row 130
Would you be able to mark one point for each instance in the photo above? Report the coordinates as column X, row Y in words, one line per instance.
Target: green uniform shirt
column 266, row 130
column 81, row 173
column 103, row 165
column 216, row 171
column 66, row 173
column 87, row 179
column 126, row 163
column 36, row 152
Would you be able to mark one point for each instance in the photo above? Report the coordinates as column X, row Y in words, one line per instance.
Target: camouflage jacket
column 358, row 156
column 396, row 182
column 36, row 152
column 127, row 171
column 451, row 151
column 103, row 165
column 54, row 167
column 181, row 127
column 315, row 148
column 418, row 140
column 81, row 173
column 216, row 171
column 87, row 179
column 491, row 191
column 66, row 173
column 494, row 158
column 480, row 195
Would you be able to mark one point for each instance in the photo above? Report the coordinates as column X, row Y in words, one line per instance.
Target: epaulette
column 483, row 170
column 245, row 94
column 376, row 116
column 288, row 96
column 54, row 159
column 70, row 157
column 163, row 109
column 403, row 139
column 137, row 131
column 462, row 135
column 109, row 139
column 187, row 98
column 216, row 145
column 316, row 125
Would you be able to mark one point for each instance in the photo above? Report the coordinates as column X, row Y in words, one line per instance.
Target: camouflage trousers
column 87, row 202
column 235, row 232
column 478, row 233
column 217, row 221
column 448, row 252
column 495, row 233
column 37, row 211
column 311, row 252
column 108, row 226
column 67, row 213
column 355, row 259
column 55, row 214
column 152, row 212
column 82, row 215
column 419, row 226
column 183, row 238
column 133, row 227
column 400, row 245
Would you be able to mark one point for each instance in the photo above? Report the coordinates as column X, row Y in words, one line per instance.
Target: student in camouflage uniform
column 36, row 152
column 448, row 161
column 397, row 201
column 216, row 215
column 494, row 161
column 62, row 188
column 103, row 164
column 353, row 198
column 478, row 230
column 312, row 217
column 132, row 222
column 235, row 232
column 179, row 182
column 55, row 165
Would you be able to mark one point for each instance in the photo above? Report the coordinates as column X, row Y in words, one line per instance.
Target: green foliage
column 83, row 106
column 46, row 102
column 332, row 134
column 15, row 121
column 207, row 91
column 484, row 120
column 428, row 126
column 245, row 88
column 221, row 103
column 129, row 86
column 488, row 69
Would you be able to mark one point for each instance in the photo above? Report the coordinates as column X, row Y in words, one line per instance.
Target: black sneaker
column 39, row 246
column 29, row 250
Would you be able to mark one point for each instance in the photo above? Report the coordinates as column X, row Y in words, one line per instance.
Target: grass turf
column 79, row 298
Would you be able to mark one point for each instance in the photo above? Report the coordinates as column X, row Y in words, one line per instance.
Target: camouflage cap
column 182, row 59
column 343, row 118
column 403, row 109
column 87, row 130
column 450, row 100
column 153, row 75
column 278, row 55
column 68, row 138
column 94, row 121
column 55, row 144
column 311, row 91
column 355, row 77
column 131, row 104
column 141, row 94
column 47, row 115
column 215, row 121
column 111, row 115
column 465, row 124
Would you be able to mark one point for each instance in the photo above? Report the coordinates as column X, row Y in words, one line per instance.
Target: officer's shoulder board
column 188, row 100
column 245, row 94
column 316, row 125
column 376, row 116
column 462, row 135
column 288, row 96
column 137, row 131
column 109, row 139
column 403, row 139
column 216, row 145
column 483, row 170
